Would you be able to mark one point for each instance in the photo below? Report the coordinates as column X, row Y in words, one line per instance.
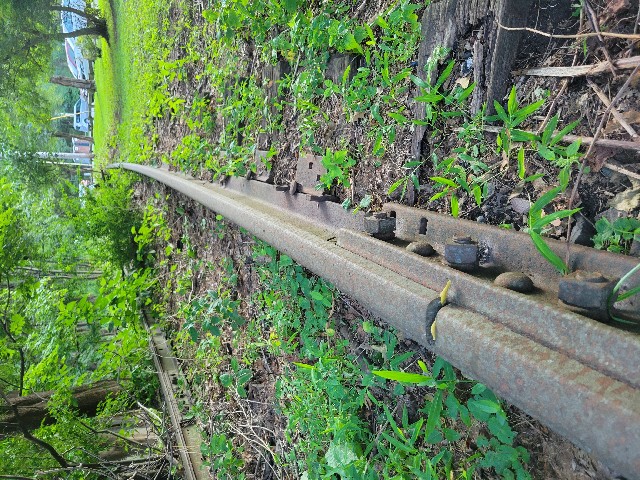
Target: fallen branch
column 621, row 170
column 630, row 36
column 581, row 70
column 28, row 436
column 616, row 114
column 574, row 190
column 593, row 19
column 601, row 142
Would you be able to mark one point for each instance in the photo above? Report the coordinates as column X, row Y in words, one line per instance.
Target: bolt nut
column 461, row 253
column 380, row 226
column 586, row 293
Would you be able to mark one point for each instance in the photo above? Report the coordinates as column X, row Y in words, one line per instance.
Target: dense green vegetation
column 341, row 396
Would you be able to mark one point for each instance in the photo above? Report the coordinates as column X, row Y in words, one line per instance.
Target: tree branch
column 27, row 434
column 92, row 18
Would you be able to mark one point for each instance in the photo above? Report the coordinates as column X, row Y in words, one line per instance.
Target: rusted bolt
column 461, row 253
column 380, row 225
column 586, row 293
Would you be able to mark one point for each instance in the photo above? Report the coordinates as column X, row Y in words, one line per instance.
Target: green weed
column 617, row 236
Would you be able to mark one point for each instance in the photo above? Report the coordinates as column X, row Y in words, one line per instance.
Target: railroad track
column 542, row 349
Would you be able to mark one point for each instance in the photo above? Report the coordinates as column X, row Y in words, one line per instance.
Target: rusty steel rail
column 576, row 374
column 187, row 436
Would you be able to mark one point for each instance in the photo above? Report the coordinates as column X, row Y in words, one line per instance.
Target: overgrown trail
column 363, row 99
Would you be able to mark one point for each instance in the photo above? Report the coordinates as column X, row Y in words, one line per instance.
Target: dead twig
column 574, row 190
column 604, row 142
column 593, row 19
column 624, row 171
column 630, row 36
column 616, row 114
column 580, row 70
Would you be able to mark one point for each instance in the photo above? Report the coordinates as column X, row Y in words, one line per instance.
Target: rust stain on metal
column 526, row 347
column 603, row 347
column 597, row 412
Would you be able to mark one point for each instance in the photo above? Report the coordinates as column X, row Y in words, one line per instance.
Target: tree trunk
column 70, row 136
column 100, row 30
column 74, row 82
column 33, row 408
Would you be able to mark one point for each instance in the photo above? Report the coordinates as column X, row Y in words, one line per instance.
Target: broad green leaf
column 375, row 112
column 401, row 119
column 545, row 199
column 304, row 365
column 395, row 185
column 560, row 135
column 290, row 5
column 478, row 388
column 521, row 167
column 352, row 45
column 549, row 129
column 444, row 181
column 547, row 253
column 429, row 98
column 523, row 136
column 317, row 295
column 501, row 113
column 402, row 376
column 546, row 153
column 416, row 182
column 488, row 406
column 345, row 75
column 398, row 444
column 512, row 105
column 340, row 454
column 462, row 181
column 433, row 418
column 547, row 219
column 401, row 76
column 522, row 114
column 419, row 82
column 438, row 195
column 572, row 150
column 462, row 96
column 531, row 178
column 445, row 74
column 477, row 194
column 454, row 206
column 412, row 164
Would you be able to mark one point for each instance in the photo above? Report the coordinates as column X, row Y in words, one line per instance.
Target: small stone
column 481, row 219
column 626, row 201
column 423, row 249
column 611, row 214
column 582, row 232
column 520, row 205
column 515, row 281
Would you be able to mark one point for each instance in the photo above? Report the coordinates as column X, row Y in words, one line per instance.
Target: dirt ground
column 598, row 193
